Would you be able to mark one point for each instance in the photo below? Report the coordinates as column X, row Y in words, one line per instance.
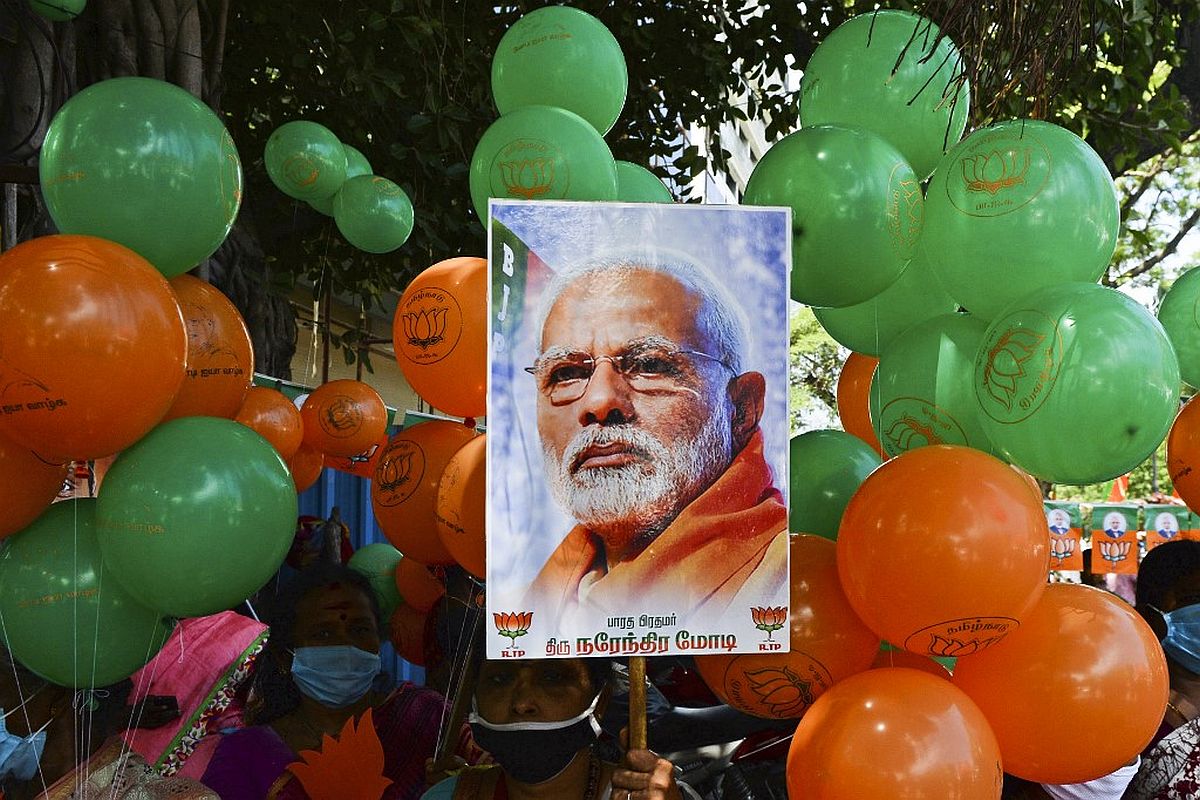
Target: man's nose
column 607, row 400
column 523, row 700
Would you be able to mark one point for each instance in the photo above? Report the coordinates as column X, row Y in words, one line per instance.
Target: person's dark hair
column 273, row 692
column 600, row 672
column 1163, row 568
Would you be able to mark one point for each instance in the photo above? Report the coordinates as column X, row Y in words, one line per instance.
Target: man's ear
column 747, row 394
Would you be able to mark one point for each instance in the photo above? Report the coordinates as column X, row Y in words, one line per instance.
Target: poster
column 1114, row 538
column 638, row 429
column 1165, row 523
column 1064, row 521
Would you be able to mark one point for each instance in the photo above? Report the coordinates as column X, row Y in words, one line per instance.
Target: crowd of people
column 535, row 729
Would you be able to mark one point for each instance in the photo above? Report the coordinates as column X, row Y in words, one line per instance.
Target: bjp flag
column 1066, row 533
column 1114, row 538
column 1166, row 523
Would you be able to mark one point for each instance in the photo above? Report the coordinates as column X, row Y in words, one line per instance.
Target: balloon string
column 20, row 692
column 139, row 708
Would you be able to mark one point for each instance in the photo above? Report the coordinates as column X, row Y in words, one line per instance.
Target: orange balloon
column 362, row 464
column 1183, row 453
column 1083, row 660
column 460, row 507
column 903, row 658
column 853, row 398
column 894, row 733
column 828, row 643
column 27, row 485
column 92, row 347
column 1030, row 481
column 943, row 550
column 306, row 466
column 419, row 588
column 343, row 418
column 408, row 633
column 272, row 416
column 440, row 336
column 220, row 357
column 404, row 489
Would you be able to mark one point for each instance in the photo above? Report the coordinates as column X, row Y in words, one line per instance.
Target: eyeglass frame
column 595, row 361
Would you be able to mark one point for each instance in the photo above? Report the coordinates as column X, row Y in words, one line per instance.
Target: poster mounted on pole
column 637, row 429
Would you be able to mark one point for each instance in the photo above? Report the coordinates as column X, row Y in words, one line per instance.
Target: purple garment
column 247, row 762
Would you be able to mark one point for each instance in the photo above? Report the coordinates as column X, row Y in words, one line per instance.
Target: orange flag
column 1120, row 489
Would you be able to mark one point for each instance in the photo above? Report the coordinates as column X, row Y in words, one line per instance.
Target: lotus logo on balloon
column 425, row 328
column 905, row 208
column 300, row 170
column 513, row 624
column 341, row 417
column 1061, row 548
column 997, row 170
column 1114, row 552
column 904, row 433
column 527, row 178
column 781, row 690
column 769, row 619
column 951, row 647
column 394, row 472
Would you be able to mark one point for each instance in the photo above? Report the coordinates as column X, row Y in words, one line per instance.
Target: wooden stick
column 637, row 702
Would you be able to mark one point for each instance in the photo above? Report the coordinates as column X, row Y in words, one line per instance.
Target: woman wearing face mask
column 318, row 672
column 1168, row 597
column 539, row 720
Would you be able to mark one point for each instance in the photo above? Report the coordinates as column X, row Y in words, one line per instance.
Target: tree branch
column 1150, row 263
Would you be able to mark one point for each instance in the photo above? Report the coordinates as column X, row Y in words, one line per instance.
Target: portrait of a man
column 648, row 420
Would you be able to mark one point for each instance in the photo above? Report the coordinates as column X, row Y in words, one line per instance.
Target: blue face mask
column 19, row 756
column 334, row 676
column 1182, row 642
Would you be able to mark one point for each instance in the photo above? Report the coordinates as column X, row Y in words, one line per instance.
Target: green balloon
column 827, row 467
column 305, row 160
column 1180, row 318
column 373, row 213
column 196, row 516
column 889, row 72
column 378, row 562
column 562, row 57
column 142, row 163
column 63, row 617
column 356, row 164
column 58, row 10
column 636, row 184
column 856, row 211
column 924, row 391
column 1018, row 206
column 869, row 327
column 1078, row 383
column 541, row 153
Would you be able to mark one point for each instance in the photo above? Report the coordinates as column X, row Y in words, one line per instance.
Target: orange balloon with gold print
column 306, row 466
column 27, row 485
column 828, row 642
column 404, row 489
column 1183, row 453
column 440, row 336
column 92, row 347
column 853, row 398
column 460, row 507
column 1083, row 660
column 220, row 357
column 417, row 585
column 343, row 418
column 272, row 416
column 943, row 550
column 408, row 627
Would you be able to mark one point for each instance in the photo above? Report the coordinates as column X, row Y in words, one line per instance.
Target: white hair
column 720, row 321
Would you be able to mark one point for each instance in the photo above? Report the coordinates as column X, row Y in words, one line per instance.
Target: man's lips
column 617, row 454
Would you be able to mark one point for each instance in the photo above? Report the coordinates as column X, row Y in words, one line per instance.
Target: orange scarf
column 703, row 559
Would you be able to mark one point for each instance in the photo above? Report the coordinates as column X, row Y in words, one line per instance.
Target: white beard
column 643, row 497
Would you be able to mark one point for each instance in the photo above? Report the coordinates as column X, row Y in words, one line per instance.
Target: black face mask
column 535, row 752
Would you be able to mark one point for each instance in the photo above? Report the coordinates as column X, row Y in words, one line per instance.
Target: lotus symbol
column 426, row 327
column 393, row 472
column 300, row 170
column 769, row 619
column 1006, row 363
column 513, row 624
column 941, row 646
column 342, row 415
column 997, row 170
column 904, row 431
column 1114, row 552
column 1061, row 548
column 784, row 692
column 527, row 177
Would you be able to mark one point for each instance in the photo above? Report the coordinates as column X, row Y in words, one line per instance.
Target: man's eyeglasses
column 564, row 376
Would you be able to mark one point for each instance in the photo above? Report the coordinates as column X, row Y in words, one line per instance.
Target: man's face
column 627, row 455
